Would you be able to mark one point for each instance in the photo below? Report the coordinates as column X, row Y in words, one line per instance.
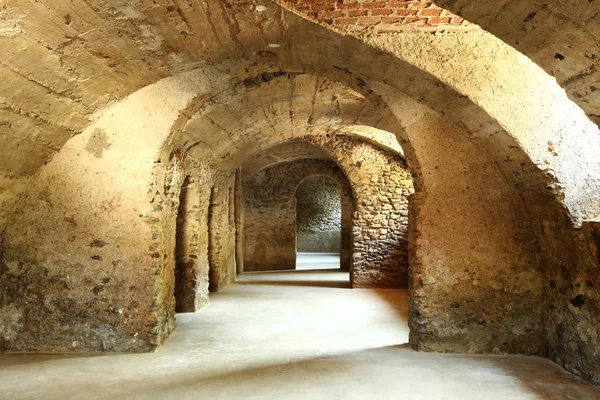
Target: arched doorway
column 320, row 211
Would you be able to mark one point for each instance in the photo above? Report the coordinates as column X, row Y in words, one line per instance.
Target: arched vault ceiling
column 297, row 149
column 63, row 62
column 560, row 36
column 285, row 152
column 255, row 115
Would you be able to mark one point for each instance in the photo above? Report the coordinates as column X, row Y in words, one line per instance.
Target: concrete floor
column 290, row 335
column 312, row 261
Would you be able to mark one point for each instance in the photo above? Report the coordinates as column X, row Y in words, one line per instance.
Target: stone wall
column 318, row 216
column 270, row 213
column 205, row 238
column 382, row 186
column 476, row 279
column 222, row 238
column 87, row 243
column 190, row 295
column 102, row 298
column 571, row 298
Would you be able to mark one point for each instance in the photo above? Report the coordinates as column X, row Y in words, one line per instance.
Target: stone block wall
column 270, row 213
column 192, row 267
column 318, row 216
column 382, row 186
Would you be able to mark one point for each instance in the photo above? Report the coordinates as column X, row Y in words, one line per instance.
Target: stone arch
column 131, row 175
column 296, row 29
column 559, row 37
column 458, row 90
column 175, row 95
column 381, row 185
column 270, row 211
column 555, row 35
column 130, row 107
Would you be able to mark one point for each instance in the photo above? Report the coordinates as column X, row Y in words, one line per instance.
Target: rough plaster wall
column 571, row 260
column 89, row 296
column 559, row 36
column 318, row 216
column 191, row 270
column 475, row 271
column 77, row 66
column 222, row 233
column 270, row 212
column 65, row 57
column 83, row 52
column 381, row 185
column 101, row 276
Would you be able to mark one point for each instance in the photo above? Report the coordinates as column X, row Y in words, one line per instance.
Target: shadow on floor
column 400, row 303
column 393, row 372
column 296, row 271
column 20, row 359
column 297, row 278
column 310, row 283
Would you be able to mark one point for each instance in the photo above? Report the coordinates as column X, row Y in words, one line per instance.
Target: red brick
column 357, row 13
column 410, row 20
column 323, row 7
column 404, row 13
column 345, row 21
column 438, row 20
column 369, row 20
column 373, row 4
column 419, row 4
column 343, row 6
column 381, row 11
column 430, row 12
column 333, row 14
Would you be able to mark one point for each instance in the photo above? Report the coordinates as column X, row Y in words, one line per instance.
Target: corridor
column 290, row 335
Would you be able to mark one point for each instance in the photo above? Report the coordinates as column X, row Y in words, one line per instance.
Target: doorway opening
column 318, row 224
column 185, row 260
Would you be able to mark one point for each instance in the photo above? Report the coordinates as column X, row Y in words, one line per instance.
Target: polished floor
column 290, row 335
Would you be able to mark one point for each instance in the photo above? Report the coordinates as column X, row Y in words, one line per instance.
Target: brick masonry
column 386, row 15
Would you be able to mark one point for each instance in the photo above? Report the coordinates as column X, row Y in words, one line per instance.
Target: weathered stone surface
column 270, row 213
column 105, row 105
column 380, row 257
